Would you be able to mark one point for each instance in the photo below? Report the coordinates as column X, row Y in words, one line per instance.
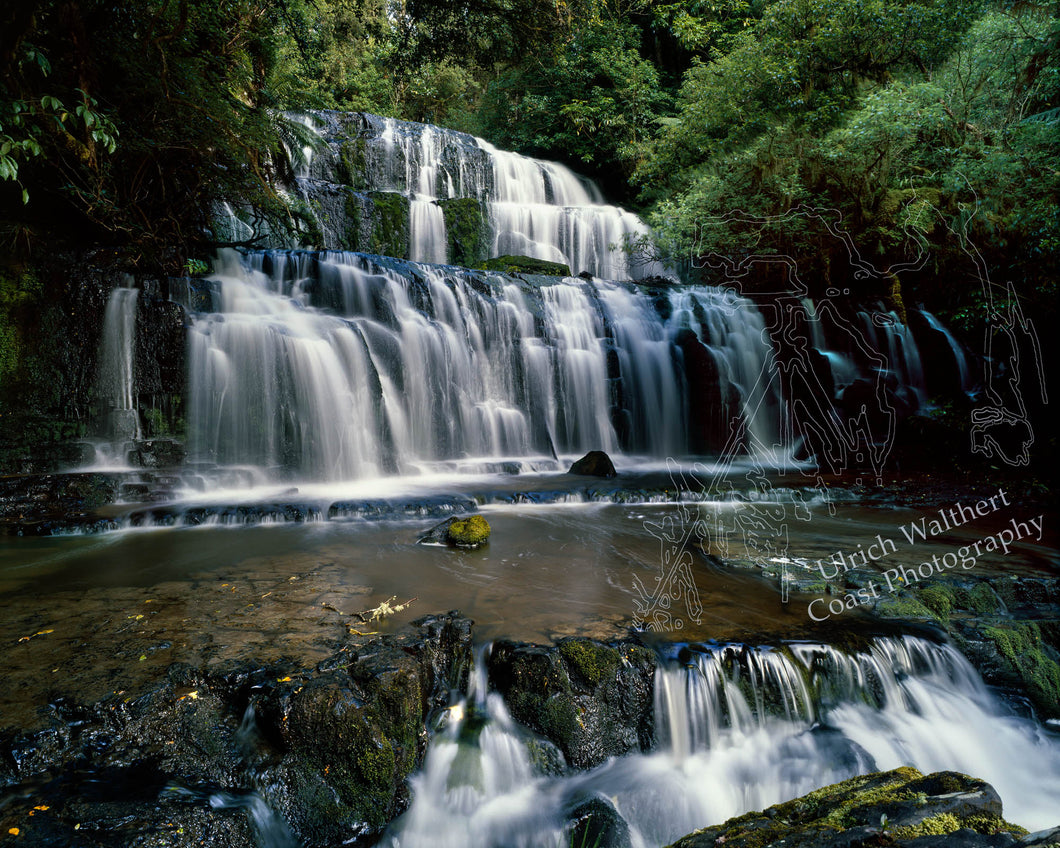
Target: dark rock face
column 596, row 822
column 328, row 749
column 40, row 505
column 591, row 700
column 158, row 453
column 594, row 464
column 895, row 808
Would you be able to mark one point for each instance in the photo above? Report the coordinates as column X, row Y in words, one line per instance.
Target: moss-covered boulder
column 590, row 699
column 1032, row 660
column 466, row 230
column 525, row 265
column 894, row 808
column 472, row 531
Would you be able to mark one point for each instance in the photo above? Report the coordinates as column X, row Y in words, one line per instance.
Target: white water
column 117, row 381
column 964, row 372
column 740, row 729
column 332, row 367
column 535, row 208
column 119, row 336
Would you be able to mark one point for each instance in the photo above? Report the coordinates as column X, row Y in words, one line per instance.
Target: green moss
column 895, row 298
column 525, row 265
column 378, row 764
column 938, row 825
column 990, row 824
column 559, row 719
column 940, row 600
column 840, row 802
column 906, row 606
column 1022, row 646
column 470, row 532
column 946, row 823
column 20, row 292
column 385, row 230
column 982, row 599
column 593, row 662
column 352, row 168
column 466, row 230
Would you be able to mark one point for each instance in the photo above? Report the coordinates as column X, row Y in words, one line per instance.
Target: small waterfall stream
column 739, row 728
column 120, row 419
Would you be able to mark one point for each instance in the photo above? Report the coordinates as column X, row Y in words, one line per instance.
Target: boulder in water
column 470, row 532
column 594, row 464
column 597, row 822
column 899, row 808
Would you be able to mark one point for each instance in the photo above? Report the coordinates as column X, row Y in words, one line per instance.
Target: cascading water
column 117, row 376
column 339, row 366
column 533, row 208
column 739, row 728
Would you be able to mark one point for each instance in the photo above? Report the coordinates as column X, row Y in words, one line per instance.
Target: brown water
column 91, row 615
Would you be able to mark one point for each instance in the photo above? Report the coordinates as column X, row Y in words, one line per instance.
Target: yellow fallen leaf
column 13, row 831
column 42, row 807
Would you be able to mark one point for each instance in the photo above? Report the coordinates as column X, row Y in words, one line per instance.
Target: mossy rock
column 905, row 606
column 352, row 169
column 982, row 599
column 466, row 230
column 525, row 265
column 1029, row 655
column 594, row 662
column 884, row 808
column 940, row 600
column 470, row 532
column 379, row 223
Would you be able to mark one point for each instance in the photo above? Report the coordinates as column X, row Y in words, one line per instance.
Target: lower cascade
column 739, row 728
column 339, row 366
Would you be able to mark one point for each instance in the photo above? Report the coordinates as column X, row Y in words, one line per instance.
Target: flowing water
column 339, row 366
column 741, row 728
column 394, row 393
column 533, row 208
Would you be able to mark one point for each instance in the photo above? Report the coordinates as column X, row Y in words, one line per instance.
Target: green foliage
column 916, row 151
column 595, row 103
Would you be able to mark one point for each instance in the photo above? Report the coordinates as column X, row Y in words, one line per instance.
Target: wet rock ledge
column 190, row 759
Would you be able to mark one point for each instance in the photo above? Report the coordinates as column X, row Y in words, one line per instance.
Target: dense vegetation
column 929, row 123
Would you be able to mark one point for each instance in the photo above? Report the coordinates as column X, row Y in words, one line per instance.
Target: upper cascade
column 428, row 194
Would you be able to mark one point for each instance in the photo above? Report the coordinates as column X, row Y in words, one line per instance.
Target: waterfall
column 339, row 366
column 964, row 373
column 740, row 728
column 117, row 366
column 532, row 207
